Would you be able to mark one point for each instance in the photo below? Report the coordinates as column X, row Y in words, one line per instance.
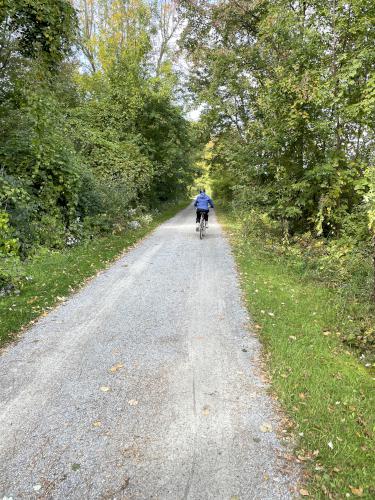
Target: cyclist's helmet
column 202, row 191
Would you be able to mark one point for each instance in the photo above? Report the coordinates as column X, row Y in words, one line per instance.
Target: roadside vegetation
column 51, row 275
column 91, row 127
column 287, row 92
column 326, row 393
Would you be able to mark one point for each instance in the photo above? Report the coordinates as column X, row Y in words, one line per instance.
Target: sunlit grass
column 324, row 390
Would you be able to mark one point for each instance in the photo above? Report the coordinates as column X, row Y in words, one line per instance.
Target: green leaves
column 290, row 94
column 79, row 149
column 44, row 28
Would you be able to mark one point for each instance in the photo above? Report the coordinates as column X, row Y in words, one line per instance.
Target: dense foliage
column 91, row 130
column 288, row 90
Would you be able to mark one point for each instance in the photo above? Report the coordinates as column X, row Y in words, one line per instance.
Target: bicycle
column 202, row 226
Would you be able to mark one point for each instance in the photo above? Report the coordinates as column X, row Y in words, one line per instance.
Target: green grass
column 55, row 275
column 327, row 395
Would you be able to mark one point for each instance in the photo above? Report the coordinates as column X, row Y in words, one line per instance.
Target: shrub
column 10, row 270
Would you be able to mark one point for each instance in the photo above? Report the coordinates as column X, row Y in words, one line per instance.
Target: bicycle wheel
column 201, row 227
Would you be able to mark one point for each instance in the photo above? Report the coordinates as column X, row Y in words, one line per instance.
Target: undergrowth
column 326, row 392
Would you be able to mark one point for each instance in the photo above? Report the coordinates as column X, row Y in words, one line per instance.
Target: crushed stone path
column 144, row 385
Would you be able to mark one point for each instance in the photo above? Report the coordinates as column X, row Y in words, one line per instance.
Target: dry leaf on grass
column 304, row 492
column 357, row 492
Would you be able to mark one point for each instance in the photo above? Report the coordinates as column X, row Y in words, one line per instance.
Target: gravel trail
column 144, row 385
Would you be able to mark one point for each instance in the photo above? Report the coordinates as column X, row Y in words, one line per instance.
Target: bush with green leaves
column 10, row 269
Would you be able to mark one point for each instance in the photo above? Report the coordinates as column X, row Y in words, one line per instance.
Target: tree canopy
column 91, row 126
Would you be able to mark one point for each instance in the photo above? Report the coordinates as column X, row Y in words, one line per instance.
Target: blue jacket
column 203, row 202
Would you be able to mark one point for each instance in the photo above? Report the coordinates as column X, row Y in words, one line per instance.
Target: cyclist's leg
column 197, row 219
column 206, row 218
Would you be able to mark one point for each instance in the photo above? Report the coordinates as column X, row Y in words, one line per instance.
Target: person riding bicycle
column 202, row 204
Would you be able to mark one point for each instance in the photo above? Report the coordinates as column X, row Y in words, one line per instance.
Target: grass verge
column 326, row 393
column 54, row 275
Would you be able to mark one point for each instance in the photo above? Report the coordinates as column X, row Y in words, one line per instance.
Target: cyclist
column 202, row 204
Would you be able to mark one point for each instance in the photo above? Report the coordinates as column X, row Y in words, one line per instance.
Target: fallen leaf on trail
column 258, row 327
column 105, row 388
column 37, row 487
column 206, row 410
column 116, row 367
column 304, row 493
column 97, row 423
column 133, row 402
column 76, row 467
column 266, row 427
column 357, row 492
